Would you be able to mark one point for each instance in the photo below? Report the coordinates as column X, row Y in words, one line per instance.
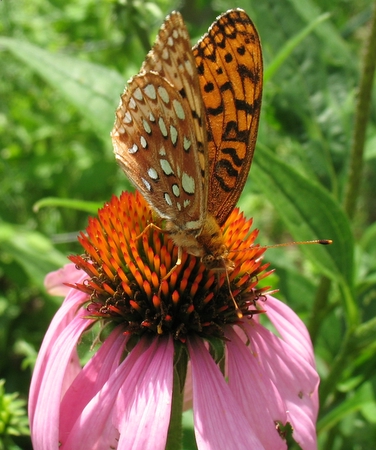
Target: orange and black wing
column 229, row 64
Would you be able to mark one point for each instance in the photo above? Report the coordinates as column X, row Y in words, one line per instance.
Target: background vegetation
column 63, row 67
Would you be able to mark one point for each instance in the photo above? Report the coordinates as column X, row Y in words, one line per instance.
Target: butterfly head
column 214, row 253
column 206, row 243
column 218, row 262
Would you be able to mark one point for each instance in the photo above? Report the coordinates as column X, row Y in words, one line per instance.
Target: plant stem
column 174, row 438
column 320, row 308
column 332, row 434
column 142, row 34
column 361, row 119
column 339, row 364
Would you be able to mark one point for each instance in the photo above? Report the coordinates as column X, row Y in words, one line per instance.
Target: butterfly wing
column 172, row 58
column 229, row 64
column 170, row 170
column 155, row 144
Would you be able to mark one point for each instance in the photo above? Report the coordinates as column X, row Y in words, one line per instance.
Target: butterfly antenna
column 287, row 244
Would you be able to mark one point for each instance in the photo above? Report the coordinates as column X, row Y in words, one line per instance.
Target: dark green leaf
column 93, row 89
column 31, row 250
column 309, row 213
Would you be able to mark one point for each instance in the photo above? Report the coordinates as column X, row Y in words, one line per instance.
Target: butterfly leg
column 148, row 227
column 177, row 264
column 180, row 253
column 237, row 309
column 180, row 250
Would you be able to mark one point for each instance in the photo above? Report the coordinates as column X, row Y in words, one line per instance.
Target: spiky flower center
column 125, row 267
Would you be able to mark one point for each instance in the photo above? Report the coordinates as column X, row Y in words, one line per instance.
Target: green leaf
column 31, row 250
column 80, row 205
column 335, row 46
column 13, row 417
column 290, row 45
column 309, row 212
column 362, row 398
column 93, row 89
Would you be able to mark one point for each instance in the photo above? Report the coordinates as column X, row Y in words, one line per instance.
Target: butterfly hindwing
column 155, row 144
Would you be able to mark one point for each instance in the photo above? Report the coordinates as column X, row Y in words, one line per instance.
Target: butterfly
column 186, row 128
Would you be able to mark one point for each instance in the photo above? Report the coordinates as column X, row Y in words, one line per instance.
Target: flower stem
column 361, row 119
column 339, row 364
column 320, row 308
column 142, row 35
column 174, row 438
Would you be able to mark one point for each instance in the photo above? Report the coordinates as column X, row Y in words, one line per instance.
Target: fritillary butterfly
column 186, row 129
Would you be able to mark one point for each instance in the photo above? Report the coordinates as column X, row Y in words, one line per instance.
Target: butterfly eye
column 208, row 260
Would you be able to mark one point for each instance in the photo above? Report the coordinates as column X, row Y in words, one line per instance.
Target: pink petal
column 54, row 281
column 219, row 419
column 96, row 426
column 61, row 319
column 295, row 379
column 90, row 380
column 72, row 370
column 188, row 389
column 133, row 408
column 255, row 392
column 45, row 420
column 290, row 327
column 145, row 425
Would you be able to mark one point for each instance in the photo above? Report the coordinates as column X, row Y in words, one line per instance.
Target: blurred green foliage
column 63, row 67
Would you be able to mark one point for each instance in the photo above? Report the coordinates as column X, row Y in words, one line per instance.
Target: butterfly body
column 186, row 128
column 207, row 243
